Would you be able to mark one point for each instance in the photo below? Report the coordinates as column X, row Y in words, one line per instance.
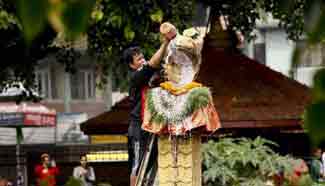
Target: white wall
column 305, row 75
column 278, row 50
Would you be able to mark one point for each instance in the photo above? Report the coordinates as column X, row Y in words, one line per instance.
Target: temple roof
column 245, row 91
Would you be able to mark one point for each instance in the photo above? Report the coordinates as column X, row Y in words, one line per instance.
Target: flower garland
column 168, row 108
column 179, row 90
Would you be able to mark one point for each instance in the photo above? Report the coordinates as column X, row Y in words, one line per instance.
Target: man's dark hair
column 129, row 53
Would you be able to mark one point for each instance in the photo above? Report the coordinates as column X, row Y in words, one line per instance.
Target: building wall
column 56, row 97
column 278, row 50
column 92, row 108
column 58, row 76
column 305, row 74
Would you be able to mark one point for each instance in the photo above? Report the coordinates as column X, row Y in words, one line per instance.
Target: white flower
column 191, row 32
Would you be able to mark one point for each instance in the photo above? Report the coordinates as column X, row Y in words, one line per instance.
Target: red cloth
column 44, row 176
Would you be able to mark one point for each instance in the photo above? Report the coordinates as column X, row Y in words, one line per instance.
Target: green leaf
column 6, row 20
column 157, row 16
column 241, row 162
column 319, row 85
column 128, row 33
column 33, row 16
column 315, row 120
column 116, row 21
column 75, row 16
column 97, row 15
column 318, row 33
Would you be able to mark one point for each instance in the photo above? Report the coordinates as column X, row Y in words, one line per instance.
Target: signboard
column 11, row 119
column 68, row 130
column 108, row 139
column 108, row 156
column 26, row 114
column 36, row 119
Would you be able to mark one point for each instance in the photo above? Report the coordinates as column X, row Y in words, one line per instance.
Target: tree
column 120, row 24
column 25, row 27
column 18, row 59
column 111, row 26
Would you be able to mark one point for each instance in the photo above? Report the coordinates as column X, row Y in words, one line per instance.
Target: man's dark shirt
column 138, row 80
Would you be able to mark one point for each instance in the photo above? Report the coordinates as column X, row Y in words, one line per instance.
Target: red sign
column 33, row 114
column 37, row 119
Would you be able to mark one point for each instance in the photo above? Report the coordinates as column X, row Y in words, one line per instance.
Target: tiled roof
column 245, row 90
column 114, row 121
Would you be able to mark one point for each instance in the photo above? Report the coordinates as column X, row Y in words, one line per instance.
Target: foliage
column 19, row 58
column 314, row 116
column 73, row 182
column 114, row 25
column 128, row 23
column 7, row 15
column 242, row 162
column 305, row 180
column 69, row 16
column 111, row 26
column 242, row 14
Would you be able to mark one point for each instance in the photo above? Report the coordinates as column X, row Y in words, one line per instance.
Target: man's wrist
column 165, row 44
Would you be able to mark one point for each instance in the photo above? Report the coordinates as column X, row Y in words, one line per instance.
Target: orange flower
column 179, row 90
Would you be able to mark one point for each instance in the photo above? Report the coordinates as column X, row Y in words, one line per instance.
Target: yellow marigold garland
column 179, row 90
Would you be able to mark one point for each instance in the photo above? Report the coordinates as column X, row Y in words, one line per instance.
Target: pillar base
column 179, row 161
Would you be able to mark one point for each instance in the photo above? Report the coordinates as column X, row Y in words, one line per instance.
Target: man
column 141, row 73
column 323, row 163
column 46, row 172
column 84, row 172
column 316, row 165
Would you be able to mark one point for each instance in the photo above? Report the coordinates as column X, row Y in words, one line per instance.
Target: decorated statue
column 180, row 104
column 180, row 110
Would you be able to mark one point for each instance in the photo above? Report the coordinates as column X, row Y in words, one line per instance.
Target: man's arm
column 91, row 174
column 157, row 57
column 75, row 173
column 143, row 76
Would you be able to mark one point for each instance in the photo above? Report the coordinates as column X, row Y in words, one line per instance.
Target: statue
column 179, row 110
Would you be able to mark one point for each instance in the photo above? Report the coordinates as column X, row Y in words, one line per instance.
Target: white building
column 273, row 49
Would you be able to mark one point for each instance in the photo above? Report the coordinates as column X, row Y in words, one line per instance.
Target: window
column 83, row 85
column 311, row 57
column 257, row 47
column 43, row 83
column 259, row 52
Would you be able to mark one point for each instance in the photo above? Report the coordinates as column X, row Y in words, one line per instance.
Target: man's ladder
column 142, row 173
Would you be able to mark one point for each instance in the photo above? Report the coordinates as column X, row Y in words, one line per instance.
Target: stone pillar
column 179, row 161
column 67, row 92
column 108, row 97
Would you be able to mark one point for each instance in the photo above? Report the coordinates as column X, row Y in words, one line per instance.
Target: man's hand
column 53, row 164
column 83, row 173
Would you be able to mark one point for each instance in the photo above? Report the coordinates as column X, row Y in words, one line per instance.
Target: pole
column 67, row 92
column 20, row 177
column 144, row 162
